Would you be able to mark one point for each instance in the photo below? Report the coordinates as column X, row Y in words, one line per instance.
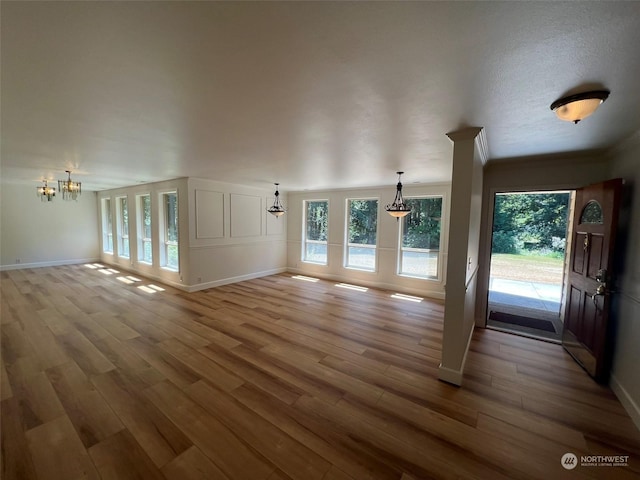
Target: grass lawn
column 530, row 268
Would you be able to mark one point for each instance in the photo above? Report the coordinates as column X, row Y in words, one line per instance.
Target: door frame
column 482, row 294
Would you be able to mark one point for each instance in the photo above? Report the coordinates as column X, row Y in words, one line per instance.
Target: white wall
column 388, row 237
column 625, row 381
column 225, row 233
column 38, row 234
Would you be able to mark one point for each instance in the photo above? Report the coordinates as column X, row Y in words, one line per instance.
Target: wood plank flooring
column 279, row 378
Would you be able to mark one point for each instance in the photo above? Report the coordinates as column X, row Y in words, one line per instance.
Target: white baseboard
column 226, row 281
column 450, row 376
column 454, row 376
column 627, row 402
column 57, row 263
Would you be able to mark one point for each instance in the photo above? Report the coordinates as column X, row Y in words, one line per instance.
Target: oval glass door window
column 592, row 213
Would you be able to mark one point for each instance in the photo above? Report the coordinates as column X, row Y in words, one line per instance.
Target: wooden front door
column 586, row 333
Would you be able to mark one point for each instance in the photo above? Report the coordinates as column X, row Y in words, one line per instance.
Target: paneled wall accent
column 209, row 208
column 231, row 235
column 246, row 215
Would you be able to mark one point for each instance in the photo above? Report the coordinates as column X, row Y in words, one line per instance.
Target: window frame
column 348, row 245
column 122, row 230
column 401, row 248
column 107, row 226
column 306, row 241
column 164, row 231
column 142, row 239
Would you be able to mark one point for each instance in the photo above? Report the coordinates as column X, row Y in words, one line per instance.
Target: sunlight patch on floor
column 352, row 287
column 306, row 279
column 409, row 298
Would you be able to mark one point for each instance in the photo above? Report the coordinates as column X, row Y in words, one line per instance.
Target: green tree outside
column 421, row 227
column 317, row 220
column 363, row 221
column 530, row 222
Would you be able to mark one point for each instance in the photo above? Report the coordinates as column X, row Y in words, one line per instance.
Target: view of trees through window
column 528, row 248
column 362, row 231
column 420, row 250
column 107, row 229
column 146, row 253
column 316, row 230
column 123, row 247
column 530, row 222
column 171, row 229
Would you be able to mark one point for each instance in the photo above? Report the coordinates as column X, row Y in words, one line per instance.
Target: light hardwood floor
column 279, row 378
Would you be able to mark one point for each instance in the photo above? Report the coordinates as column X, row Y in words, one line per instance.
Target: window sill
column 314, row 263
column 419, row 277
column 360, row 269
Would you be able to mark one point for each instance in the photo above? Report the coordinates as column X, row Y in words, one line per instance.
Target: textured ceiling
column 313, row 95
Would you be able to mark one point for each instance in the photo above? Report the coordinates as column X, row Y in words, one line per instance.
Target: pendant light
column 45, row 192
column 70, row 190
column 398, row 208
column 277, row 210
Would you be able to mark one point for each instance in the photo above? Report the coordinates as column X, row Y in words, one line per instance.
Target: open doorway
column 527, row 270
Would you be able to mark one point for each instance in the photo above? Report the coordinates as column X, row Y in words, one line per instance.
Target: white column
column 469, row 157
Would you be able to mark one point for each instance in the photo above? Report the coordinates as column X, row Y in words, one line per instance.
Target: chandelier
column 45, row 192
column 70, row 190
column 277, row 210
column 398, row 208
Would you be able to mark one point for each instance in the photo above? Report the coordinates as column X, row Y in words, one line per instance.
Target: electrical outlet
column 18, row 260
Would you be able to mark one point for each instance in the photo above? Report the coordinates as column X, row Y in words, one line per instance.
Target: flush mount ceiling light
column 398, row 208
column 45, row 192
column 277, row 210
column 70, row 190
column 579, row 106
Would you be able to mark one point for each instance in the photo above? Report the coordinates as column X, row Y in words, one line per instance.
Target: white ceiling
column 313, row 95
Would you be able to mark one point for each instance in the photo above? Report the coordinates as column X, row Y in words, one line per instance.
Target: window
column 145, row 251
column 107, row 226
column 123, row 227
column 420, row 242
column 315, row 231
column 362, row 226
column 170, row 220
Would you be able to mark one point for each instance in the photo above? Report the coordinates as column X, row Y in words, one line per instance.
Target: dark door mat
column 536, row 323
